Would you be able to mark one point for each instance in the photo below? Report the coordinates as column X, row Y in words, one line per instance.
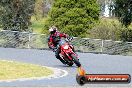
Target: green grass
column 37, row 25
column 15, row 70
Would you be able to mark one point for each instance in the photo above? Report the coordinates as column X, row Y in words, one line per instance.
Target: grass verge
column 37, row 25
column 15, row 70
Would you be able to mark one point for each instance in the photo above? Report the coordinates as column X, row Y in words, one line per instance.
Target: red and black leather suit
column 54, row 38
column 53, row 41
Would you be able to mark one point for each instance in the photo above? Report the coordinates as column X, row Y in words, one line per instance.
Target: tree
column 106, row 7
column 123, row 10
column 16, row 14
column 102, row 4
column 1, row 11
column 74, row 17
column 42, row 8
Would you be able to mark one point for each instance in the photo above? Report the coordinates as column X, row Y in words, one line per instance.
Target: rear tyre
column 76, row 61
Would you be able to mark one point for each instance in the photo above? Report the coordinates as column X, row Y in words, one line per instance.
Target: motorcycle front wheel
column 81, row 80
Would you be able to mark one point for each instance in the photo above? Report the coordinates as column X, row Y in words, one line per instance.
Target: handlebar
column 69, row 39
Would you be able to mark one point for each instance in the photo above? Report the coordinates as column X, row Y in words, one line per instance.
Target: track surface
column 93, row 64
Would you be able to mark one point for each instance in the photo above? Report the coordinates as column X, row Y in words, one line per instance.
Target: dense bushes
column 111, row 29
column 74, row 17
column 106, row 29
column 126, row 34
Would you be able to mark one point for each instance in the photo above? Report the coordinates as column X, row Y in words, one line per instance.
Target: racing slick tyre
column 76, row 61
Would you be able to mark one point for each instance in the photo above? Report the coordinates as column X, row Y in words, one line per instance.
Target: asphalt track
column 92, row 63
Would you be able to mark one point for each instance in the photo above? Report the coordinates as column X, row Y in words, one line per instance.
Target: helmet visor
column 51, row 29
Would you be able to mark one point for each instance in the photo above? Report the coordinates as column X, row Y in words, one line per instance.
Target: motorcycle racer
column 53, row 40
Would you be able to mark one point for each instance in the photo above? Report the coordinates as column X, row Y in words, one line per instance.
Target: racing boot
column 58, row 57
column 81, row 71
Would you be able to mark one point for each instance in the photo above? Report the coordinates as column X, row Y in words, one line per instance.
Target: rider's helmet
column 53, row 29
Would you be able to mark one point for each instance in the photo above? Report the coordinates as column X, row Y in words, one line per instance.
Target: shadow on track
column 64, row 66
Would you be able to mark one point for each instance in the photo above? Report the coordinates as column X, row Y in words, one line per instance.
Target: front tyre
column 81, row 80
column 76, row 61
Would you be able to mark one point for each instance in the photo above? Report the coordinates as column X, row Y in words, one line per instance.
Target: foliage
column 127, row 34
column 123, row 10
column 42, row 8
column 73, row 17
column 37, row 25
column 16, row 14
column 38, row 9
column 111, row 29
column 107, row 29
column 103, row 4
column 0, row 15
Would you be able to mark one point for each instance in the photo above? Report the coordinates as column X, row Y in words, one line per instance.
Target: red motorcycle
column 67, row 54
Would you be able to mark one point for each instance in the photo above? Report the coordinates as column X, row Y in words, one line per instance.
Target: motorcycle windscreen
column 62, row 42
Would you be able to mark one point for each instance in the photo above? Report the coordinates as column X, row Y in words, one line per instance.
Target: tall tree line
column 74, row 17
column 123, row 10
column 16, row 14
column 42, row 8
